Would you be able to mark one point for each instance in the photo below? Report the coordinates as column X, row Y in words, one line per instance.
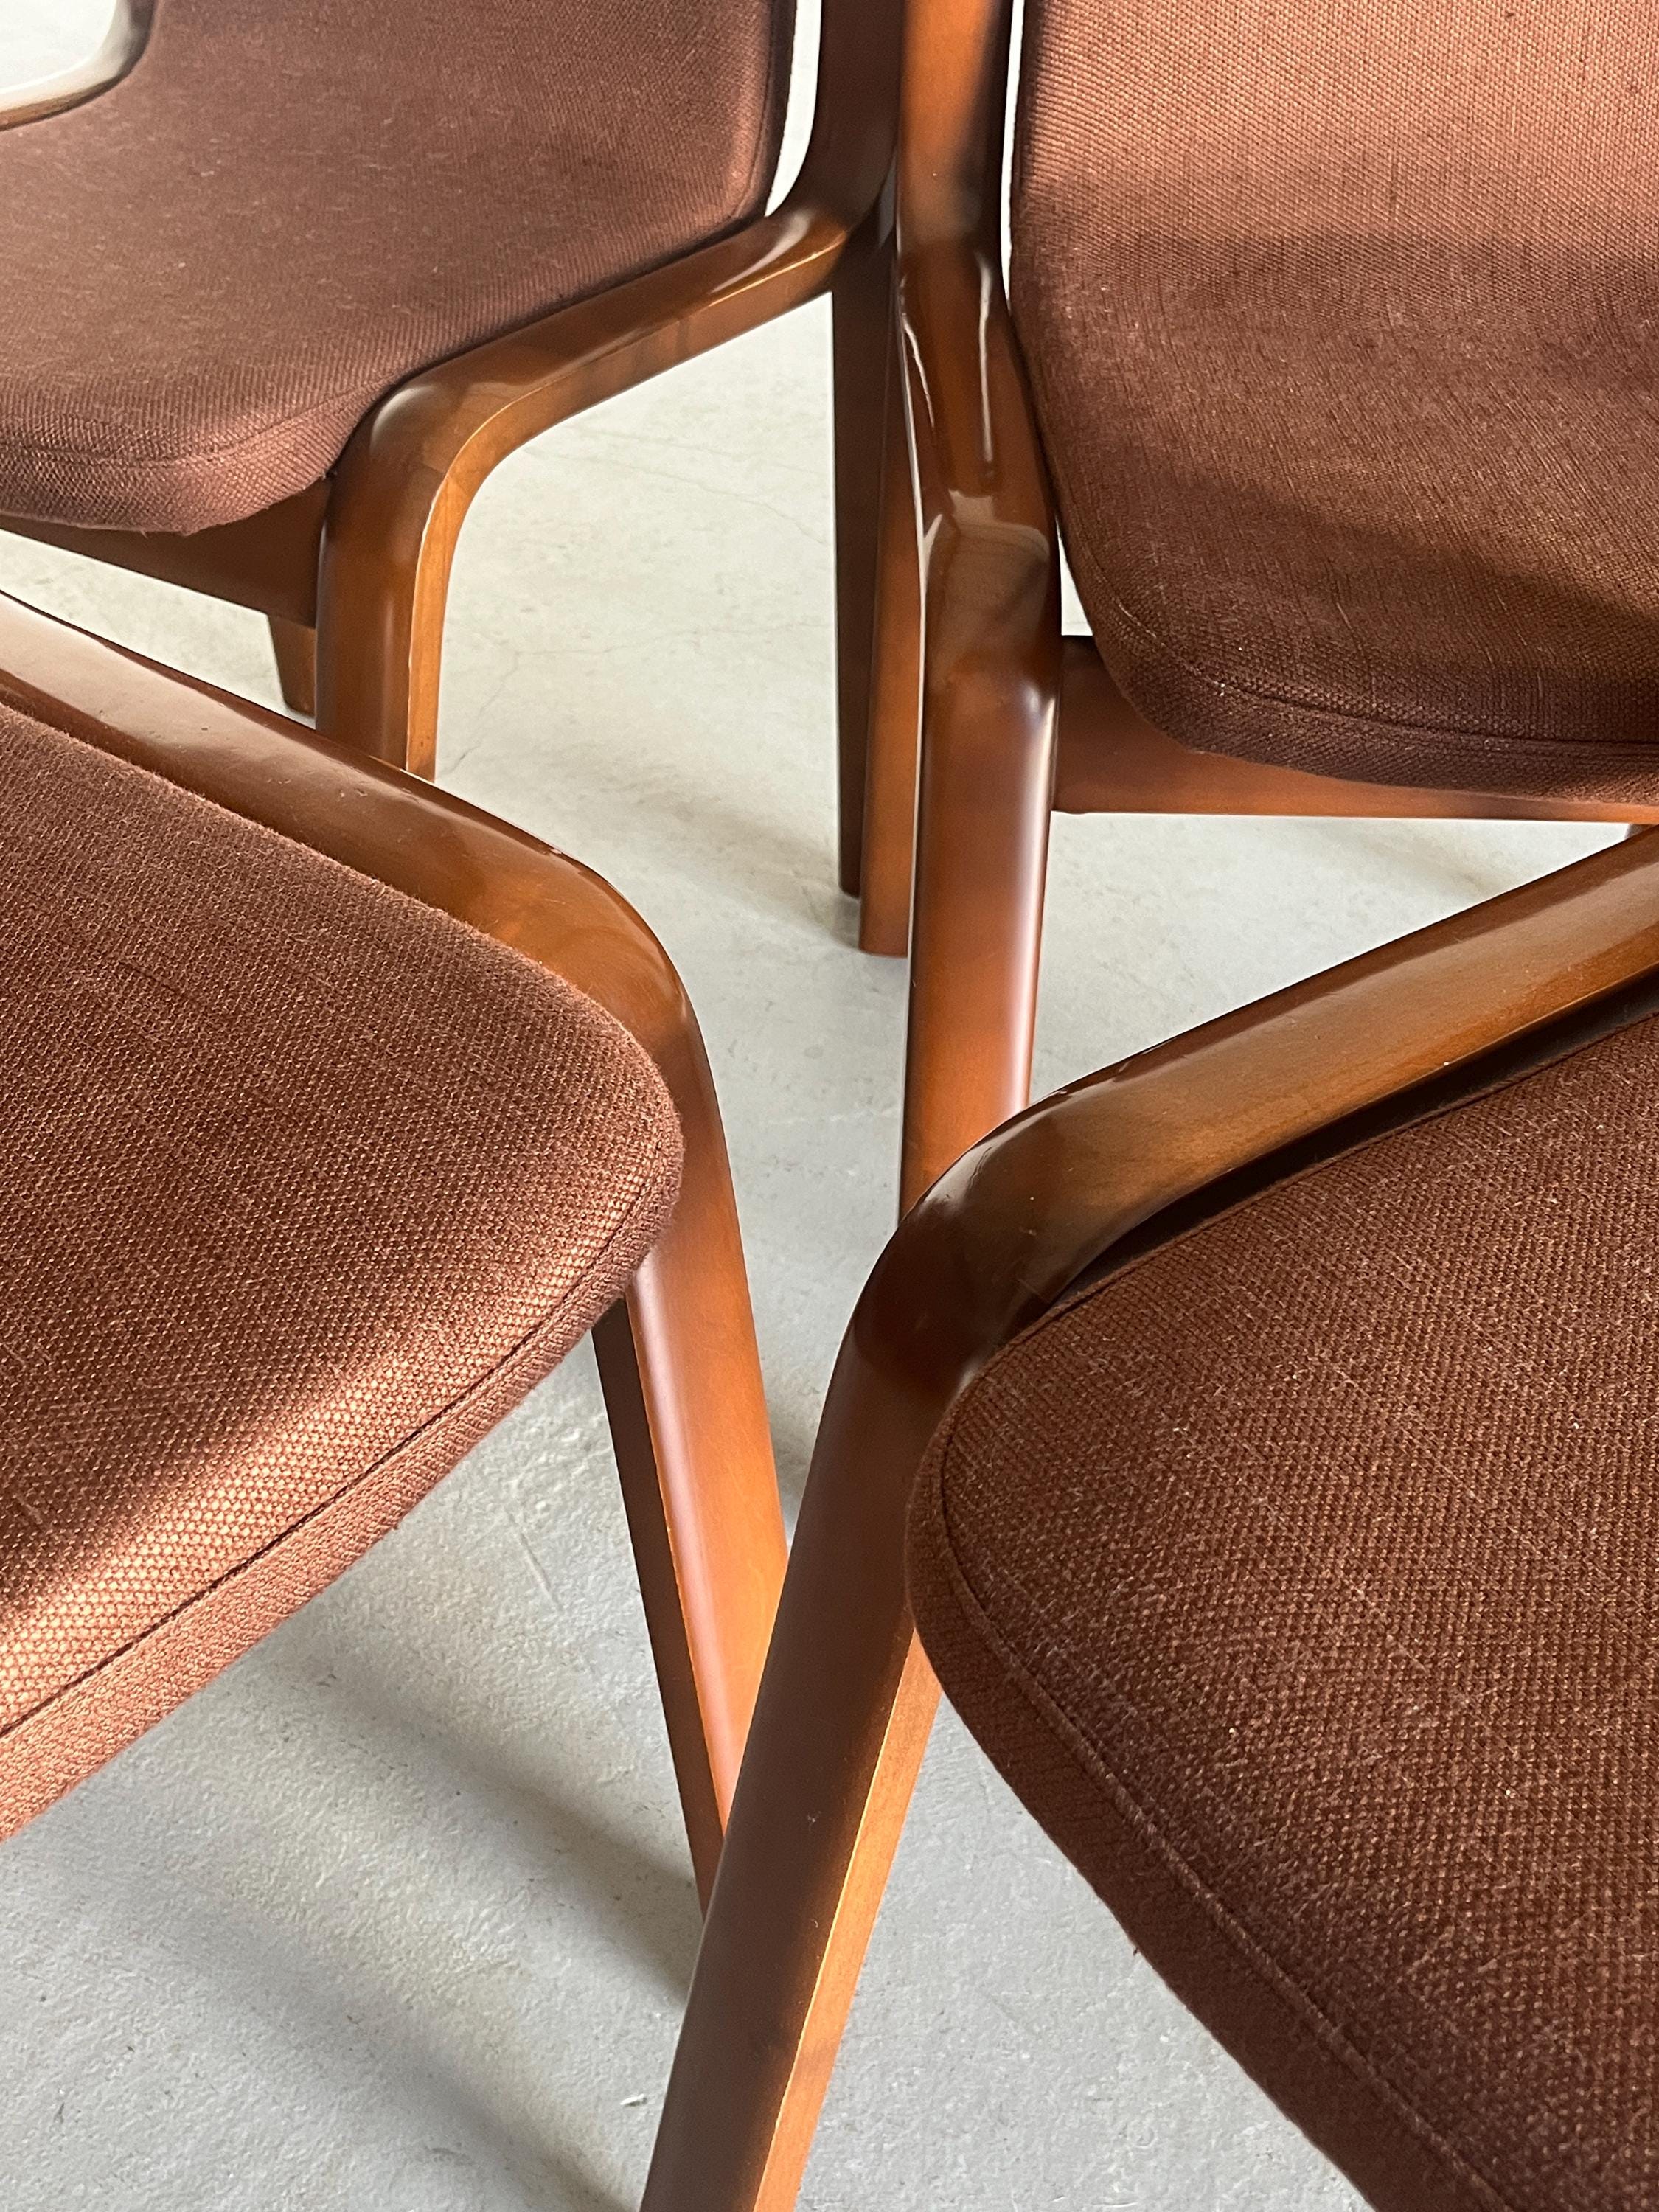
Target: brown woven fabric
column 1341, row 323
column 302, row 1185
column 213, row 269
column 1302, row 1578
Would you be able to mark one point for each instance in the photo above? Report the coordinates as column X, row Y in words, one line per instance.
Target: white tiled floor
column 396, row 1917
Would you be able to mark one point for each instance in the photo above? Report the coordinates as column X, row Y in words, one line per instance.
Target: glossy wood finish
column 117, row 51
column 294, row 647
column 864, row 349
column 847, row 1698
column 386, row 520
column 878, row 599
column 894, row 745
column 990, row 599
column 406, row 482
column 682, row 1376
column 994, row 668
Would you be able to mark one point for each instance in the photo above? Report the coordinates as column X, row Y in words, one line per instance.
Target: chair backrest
column 1338, row 317
column 1403, row 126
column 696, row 86
column 1530, row 122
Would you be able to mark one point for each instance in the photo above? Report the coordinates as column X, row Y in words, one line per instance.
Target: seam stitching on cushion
column 156, row 463
column 1074, row 1740
column 1067, row 1732
column 1496, row 740
column 639, row 1206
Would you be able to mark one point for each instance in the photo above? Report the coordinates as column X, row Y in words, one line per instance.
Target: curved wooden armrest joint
column 990, row 549
column 454, row 422
column 429, row 845
column 845, row 1706
column 115, row 58
column 1005, row 1232
column 406, row 482
column 429, row 445
column 438, row 436
column 693, row 1445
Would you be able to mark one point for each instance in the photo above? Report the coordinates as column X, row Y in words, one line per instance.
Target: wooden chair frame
column 677, row 1358
column 1016, row 720
column 352, row 575
column 847, row 1696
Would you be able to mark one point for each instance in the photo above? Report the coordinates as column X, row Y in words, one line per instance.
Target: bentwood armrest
column 121, row 45
column 456, row 420
column 712, row 1545
column 453, row 422
column 405, row 481
column 997, row 1242
column 437, row 850
column 1004, row 1234
column 1040, row 1200
column 409, row 475
column 361, row 554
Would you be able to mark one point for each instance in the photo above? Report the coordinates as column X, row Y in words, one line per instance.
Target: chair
column 1270, row 1423
column 335, row 1112
column 301, row 275
column 1329, row 341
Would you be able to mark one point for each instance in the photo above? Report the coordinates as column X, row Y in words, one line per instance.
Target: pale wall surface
column 396, row 1917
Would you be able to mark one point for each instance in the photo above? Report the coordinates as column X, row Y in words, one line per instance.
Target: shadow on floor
column 647, row 1900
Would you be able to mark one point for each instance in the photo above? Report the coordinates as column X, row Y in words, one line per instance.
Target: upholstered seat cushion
column 1341, row 321
column 1303, row 1576
column 302, row 1185
column 209, row 272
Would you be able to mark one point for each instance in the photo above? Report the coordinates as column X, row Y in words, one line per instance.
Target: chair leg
column 860, row 332
column 295, row 646
column 383, row 590
column 682, row 1388
column 878, row 599
column 981, row 864
column 839, row 1733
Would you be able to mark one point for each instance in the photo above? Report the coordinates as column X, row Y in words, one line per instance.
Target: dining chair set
column 1252, row 1438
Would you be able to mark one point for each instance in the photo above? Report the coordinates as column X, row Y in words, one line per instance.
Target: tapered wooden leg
column 982, row 866
column 295, row 646
column 839, row 1733
column 861, row 326
column 688, row 1414
column 879, row 601
column 895, row 743
column 379, row 648
column 383, row 590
